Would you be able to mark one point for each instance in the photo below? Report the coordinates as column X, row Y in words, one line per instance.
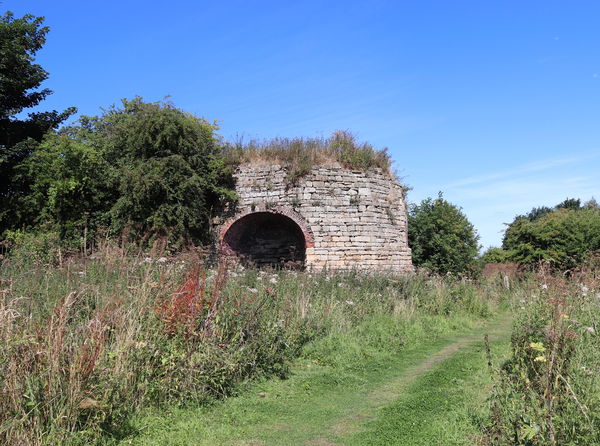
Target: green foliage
column 440, row 236
column 92, row 341
column 547, row 393
column 299, row 155
column 147, row 169
column 39, row 248
column 495, row 255
column 172, row 174
column 69, row 188
column 564, row 236
column 20, row 77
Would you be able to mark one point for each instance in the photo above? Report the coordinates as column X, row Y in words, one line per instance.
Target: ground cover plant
column 86, row 344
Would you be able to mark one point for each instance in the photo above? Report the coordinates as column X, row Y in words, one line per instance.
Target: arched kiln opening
column 266, row 239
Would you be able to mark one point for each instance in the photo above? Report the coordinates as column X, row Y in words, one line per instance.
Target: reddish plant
column 181, row 311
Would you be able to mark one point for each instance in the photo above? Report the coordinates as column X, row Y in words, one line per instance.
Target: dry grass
column 300, row 155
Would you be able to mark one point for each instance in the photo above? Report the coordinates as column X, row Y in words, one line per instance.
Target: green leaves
column 441, row 237
column 563, row 236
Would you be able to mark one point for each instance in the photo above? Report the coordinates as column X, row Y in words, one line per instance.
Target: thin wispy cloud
column 520, row 170
column 491, row 200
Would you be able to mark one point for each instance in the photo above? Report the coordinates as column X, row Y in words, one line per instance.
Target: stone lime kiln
column 331, row 217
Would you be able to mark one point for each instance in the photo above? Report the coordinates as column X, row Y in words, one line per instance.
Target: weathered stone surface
column 348, row 219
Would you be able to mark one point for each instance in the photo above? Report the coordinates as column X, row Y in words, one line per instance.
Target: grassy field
column 121, row 348
column 432, row 392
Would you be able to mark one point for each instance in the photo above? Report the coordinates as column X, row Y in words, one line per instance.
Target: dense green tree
column 70, row 186
column 20, row 79
column 148, row 169
column 171, row 174
column 564, row 236
column 441, row 237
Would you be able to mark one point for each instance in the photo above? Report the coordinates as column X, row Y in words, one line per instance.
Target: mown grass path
column 432, row 394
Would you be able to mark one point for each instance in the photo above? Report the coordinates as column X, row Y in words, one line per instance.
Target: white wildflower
column 147, row 259
column 349, row 302
column 273, row 279
column 162, row 260
column 590, row 329
column 584, row 289
column 544, row 286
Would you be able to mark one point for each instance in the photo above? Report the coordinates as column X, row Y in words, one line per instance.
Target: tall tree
column 20, row 80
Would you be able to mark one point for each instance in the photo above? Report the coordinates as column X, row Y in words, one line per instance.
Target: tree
column 171, row 175
column 147, row 169
column 20, row 78
column 441, row 237
column 564, row 236
column 70, row 187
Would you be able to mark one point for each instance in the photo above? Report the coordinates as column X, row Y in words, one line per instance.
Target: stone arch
column 276, row 237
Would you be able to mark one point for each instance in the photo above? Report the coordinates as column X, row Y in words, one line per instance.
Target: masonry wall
column 351, row 219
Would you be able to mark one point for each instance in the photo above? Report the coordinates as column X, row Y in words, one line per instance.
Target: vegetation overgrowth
column 300, row 155
column 441, row 237
column 548, row 392
column 563, row 236
column 86, row 343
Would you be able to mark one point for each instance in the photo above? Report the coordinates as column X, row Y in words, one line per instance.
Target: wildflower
column 273, row 279
column 540, row 358
column 162, row 260
column 564, row 316
column 349, row 302
column 544, row 286
column 253, row 290
column 584, row 289
column 590, row 329
column 147, row 259
column 537, row 346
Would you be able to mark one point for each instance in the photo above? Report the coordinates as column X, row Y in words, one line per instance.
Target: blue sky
column 497, row 104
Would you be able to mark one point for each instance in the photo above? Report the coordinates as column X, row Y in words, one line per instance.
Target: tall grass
column 299, row 155
column 548, row 392
column 84, row 345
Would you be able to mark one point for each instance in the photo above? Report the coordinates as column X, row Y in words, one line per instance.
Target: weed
column 547, row 393
column 300, row 155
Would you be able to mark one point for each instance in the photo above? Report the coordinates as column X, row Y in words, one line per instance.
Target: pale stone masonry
column 331, row 218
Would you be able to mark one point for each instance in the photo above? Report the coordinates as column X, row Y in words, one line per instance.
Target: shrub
column 440, row 236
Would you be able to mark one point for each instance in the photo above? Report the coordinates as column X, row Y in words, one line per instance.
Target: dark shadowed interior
column 267, row 239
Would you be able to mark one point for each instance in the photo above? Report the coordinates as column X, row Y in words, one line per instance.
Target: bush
column 148, row 170
column 34, row 248
column 564, row 237
column 441, row 238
